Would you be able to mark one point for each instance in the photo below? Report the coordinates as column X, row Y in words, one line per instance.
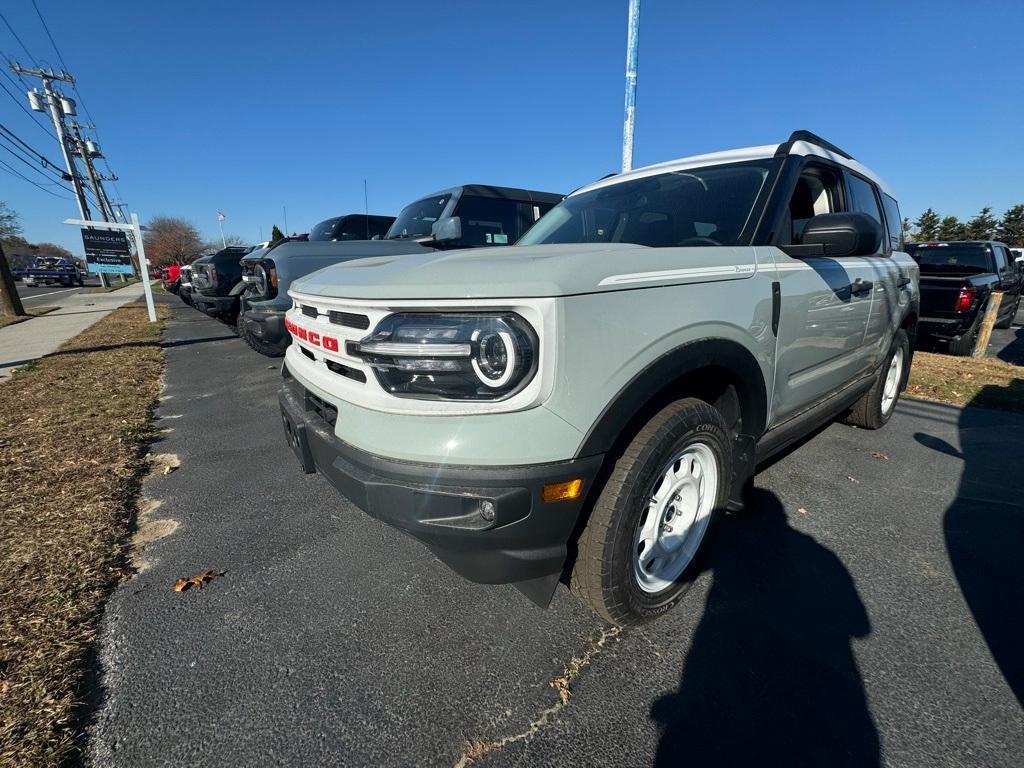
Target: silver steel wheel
column 892, row 382
column 678, row 511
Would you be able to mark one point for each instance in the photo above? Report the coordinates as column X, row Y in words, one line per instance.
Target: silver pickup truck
column 583, row 404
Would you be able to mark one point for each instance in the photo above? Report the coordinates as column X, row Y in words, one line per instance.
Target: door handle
column 861, row 286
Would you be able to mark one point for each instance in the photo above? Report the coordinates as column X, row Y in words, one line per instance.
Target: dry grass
column 983, row 382
column 72, row 431
column 6, row 320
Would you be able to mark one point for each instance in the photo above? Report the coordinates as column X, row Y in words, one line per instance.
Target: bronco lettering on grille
column 330, row 343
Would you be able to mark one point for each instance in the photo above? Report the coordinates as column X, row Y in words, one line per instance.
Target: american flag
column 220, row 216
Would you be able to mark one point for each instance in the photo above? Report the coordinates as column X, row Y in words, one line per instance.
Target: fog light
column 487, row 510
column 566, row 491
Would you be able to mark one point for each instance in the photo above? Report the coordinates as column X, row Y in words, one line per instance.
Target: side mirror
column 838, row 234
column 446, row 229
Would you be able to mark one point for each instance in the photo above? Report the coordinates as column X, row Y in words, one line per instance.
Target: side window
column 893, row 223
column 1000, row 257
column 351, row 228
column 530, row 213
column 816, row 192
column 863, row 198
column 488, row 221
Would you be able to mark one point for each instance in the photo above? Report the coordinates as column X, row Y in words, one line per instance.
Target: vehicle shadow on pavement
column 771, row 678
column 984, row 531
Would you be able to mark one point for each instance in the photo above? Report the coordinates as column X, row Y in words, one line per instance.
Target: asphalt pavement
column 864, row 609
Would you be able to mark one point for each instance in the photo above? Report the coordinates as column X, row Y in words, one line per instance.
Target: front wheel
column 877, row 405
column 641, row 548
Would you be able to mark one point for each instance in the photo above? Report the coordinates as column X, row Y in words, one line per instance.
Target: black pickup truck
column 214, row 282
column 957, row 279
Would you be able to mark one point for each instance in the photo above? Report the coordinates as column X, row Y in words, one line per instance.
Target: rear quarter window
column 893, row 222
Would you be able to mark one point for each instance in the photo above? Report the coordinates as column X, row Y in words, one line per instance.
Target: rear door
column 822, row 319
column 882, row 272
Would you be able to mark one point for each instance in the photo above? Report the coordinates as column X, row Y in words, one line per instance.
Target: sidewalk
column 23, row 342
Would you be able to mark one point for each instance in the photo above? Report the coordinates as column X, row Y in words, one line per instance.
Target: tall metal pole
column 220, row 225
column 62, row 139
column 632, row 48
column 93, row 183
column 143, row 267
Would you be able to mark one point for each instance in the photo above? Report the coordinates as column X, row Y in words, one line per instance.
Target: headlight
column 485, row 356
column 265, row 278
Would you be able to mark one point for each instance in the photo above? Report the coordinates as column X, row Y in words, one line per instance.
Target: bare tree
column 171, row 240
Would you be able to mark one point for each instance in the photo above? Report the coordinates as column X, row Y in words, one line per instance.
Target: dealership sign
column 107, row 251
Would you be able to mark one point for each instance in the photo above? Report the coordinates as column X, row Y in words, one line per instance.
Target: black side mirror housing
column 837, row 235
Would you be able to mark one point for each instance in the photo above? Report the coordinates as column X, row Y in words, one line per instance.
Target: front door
column 825, row 305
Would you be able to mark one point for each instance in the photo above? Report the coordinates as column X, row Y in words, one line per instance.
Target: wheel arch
column 717, row 370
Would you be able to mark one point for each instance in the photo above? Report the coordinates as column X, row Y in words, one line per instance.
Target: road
column 44, row 295
column 1008, row 343
column 863, row 610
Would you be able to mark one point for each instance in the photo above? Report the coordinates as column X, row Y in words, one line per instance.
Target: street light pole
column 632, row 49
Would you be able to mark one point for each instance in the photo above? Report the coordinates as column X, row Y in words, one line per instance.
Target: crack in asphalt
column 476, row 749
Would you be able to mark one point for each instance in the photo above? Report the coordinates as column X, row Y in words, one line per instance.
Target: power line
column 43, row 158
column 29, row 164
column 30, row 56
column 52, row 42
column 14, row 172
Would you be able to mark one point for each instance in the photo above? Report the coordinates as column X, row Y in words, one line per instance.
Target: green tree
column 981, row 227
column 276, row 234
column 908, row 231
column 951, row 228
column 10, row 227
column 927, row 225
column 1011, row 228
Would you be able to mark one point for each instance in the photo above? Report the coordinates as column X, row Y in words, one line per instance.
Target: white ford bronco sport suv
column 586, row 402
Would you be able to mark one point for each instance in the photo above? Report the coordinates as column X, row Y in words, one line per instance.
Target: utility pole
column 59, row 108
column 632, row 50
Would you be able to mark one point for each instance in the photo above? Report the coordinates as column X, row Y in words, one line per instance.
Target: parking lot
column 864, row 609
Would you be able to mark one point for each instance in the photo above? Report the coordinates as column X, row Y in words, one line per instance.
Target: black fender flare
column 720, row 353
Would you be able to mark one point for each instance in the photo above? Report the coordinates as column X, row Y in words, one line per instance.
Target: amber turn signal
column 570, row 489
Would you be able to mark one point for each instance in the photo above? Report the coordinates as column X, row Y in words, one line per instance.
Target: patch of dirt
column 73, row 431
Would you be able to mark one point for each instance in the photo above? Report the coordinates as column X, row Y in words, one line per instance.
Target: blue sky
column 248, row 107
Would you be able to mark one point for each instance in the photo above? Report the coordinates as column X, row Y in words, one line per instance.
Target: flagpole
column 220, row 225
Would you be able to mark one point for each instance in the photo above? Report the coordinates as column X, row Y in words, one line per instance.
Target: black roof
column 505, row 193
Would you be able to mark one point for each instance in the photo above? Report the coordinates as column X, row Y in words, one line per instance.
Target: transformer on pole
column 632, row 47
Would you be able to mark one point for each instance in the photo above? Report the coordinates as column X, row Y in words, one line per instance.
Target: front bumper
column 215, row 306
column 441, row 505
column 267, row 325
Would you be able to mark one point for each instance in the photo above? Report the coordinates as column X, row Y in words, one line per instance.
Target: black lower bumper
column 215, row 306
column 266, row 325
column 944, row 328
column 448, row 507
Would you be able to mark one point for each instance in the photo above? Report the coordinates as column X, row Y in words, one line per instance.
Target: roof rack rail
column 810, row 138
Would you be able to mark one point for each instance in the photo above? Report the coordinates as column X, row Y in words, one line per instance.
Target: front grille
column 321, row 408
column 344, row 370
column 309, row 311
column 348, row 319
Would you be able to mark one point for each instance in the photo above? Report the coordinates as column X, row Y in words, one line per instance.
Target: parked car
column 608, row 385
column 170, row 277
column 217, row 283
column 48, row 270
column 957, row 279
column 469, row 216
column 185, row 288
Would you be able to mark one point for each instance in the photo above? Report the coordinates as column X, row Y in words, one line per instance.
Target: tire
column 610, row 574
column 256, row 345
column 878, row 404
column 964, row 346
column 1010, row 317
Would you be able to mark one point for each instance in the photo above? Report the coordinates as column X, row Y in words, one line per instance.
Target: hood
column 526, row 271
column 343, row 249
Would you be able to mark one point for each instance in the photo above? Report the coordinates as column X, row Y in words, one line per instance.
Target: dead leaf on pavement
column 879, row 455
column 801, row 510
column 852, row 479
column 197, row 581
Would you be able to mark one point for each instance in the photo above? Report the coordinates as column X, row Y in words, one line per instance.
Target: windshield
column 415, row 220
column 948, row 258
column 698, row 206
